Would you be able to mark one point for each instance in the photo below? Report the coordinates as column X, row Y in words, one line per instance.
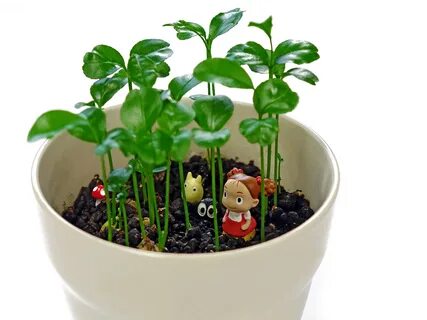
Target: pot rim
column 160, row 255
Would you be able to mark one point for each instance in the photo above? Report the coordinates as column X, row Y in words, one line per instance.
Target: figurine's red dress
column 232, row 223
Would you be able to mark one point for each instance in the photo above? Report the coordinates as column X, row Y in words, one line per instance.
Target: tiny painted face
column 237, row 197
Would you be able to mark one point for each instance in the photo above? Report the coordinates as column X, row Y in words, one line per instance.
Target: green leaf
column 181, row 143
column 259, row 68
column 117, row 138
column 136, row 165
column 154, row 149
column 186, row 30
column 51, row 123
column 223, row 22
column 223, row 71
column 279, row 70
column 102, row 61
column 179, row 86
column 213, row 112
column 302, row 74
column 184, row 35
column 208, row 139
column 250, row 53
column 175, row 116
column 162, row 70
column 260, row 131
column 104, row 89
column 141, row 109
column 79, row 105
column 265, row 26
column 274, row 97
column 295, row 51
column 92, row 128
column 154, row 50
column 144, row 72
column 118, row 178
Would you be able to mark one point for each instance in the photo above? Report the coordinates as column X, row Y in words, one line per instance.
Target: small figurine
column 193, row 188
column 205, row 207
column 241, row 193
column 98, row 193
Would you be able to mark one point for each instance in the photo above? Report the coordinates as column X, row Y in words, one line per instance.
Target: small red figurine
column 241, row 193
column 98, row 193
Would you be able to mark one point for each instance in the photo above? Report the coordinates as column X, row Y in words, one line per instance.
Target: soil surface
column 293, row 210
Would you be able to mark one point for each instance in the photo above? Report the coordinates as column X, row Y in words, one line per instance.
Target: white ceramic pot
column 270, row 281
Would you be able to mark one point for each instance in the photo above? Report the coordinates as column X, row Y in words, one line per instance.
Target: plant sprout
column 213, row 112
column 155, row 133
column 117, row 184
column 219, row 25
column 274, row 62
column 174, row 118
column 87, row 126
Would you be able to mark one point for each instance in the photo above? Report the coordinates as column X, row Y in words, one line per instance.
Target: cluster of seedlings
column 134, row 203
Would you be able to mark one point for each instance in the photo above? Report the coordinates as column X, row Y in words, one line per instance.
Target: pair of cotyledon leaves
column 220, row 24
column 261, row 60
column 145, row 65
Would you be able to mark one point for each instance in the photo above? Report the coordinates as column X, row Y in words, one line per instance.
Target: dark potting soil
column 292, row 210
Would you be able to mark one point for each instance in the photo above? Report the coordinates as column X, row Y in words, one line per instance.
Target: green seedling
column 154, row 132
column 273, row 61
column 89, row 125
column 219, row 25
column 117, row 182
column 146, row 63
column 174, row 118
column 212, row 113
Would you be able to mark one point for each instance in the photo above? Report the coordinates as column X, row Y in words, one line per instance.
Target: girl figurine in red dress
column 241, row 193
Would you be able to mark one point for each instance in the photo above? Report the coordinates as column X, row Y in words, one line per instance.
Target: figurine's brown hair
column 253, row 184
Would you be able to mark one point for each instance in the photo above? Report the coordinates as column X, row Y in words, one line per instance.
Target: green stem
column 113, row 199
column 211, row 86
column 220, row 172
column 152, row 198
column 120, row 219
column 110, row 161
column 166, row 218
column 184, row 198
column 144, row 188
column 138, row 204
column 149, row 198
column 214, row 203
column 269, row 147
column 113, row 208
column 130, row 84
column 270, row 69
column 263, row 200
column 270, row 76
column 209, row 156
column 107, row 198
column 125, row 221
column 276, row 164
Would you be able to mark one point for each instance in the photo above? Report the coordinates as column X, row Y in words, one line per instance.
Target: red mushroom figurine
column 98, row 193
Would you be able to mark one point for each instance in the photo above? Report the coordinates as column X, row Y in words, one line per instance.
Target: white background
column 370, row 106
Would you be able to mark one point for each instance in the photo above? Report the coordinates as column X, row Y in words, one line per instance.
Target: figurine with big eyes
column 205, row 208
column 241, row 194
